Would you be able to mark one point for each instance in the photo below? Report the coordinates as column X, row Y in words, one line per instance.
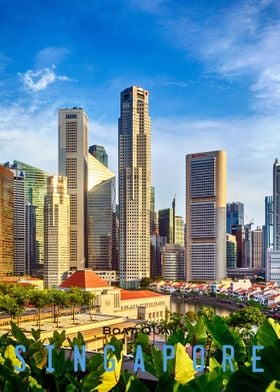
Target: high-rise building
column 99, row 153
column 19, row 222
column 156, row 256
column 57, row 232
column 268, row 227
column 276, row 205
column 101, row 216
column 166, row 223
column 257, row 251
column 6, row 221
column 173, row 262
column 179, row 231
column 30, row 239
column 273, row 266
column 206, row 215
column 35, row 191
column 248, row 246
column 72, row 157
column 239, row 232
column 134, row 186
column 235, row 214
column 231, row 251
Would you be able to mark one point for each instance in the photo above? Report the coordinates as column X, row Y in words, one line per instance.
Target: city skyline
column 196, row 102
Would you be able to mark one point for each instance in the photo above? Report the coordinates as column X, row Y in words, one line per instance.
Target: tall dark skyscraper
column 166, row 222
column 134, row 186
column 235, row 215
column 276, row 205
column 99, row 153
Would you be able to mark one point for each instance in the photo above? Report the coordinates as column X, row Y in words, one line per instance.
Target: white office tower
column 134, row 186
column 101, row 216
column 56, row 232
column 73, row 152
column 206, row 215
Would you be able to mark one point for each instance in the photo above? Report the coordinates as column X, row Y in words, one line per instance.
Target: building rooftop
column 85, row 279
column 125, row 294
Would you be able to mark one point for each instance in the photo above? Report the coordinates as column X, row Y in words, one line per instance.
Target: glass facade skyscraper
column 235, row 215
column 35, row 191
column 276, row 205
column 99, row 153
column 102, row 249
column 268, row 227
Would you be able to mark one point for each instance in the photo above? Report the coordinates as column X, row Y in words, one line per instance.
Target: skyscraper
column 231, row 251
column 173, row 262
column 179, row 231
column 206, row 215
column 30, row 239
column 268, row 227
column 276, row 205
column 166, row 223
column 235, row 214
column 35, row 191
column 57, row 232
column 19, row 222
column 101, row 216
column 134, row 186
column 99, row 153
column 72, row 157
column 257, row 251
column 6, row 221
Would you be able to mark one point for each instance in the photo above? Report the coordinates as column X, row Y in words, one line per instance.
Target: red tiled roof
column 126, row 294
column 85, row 279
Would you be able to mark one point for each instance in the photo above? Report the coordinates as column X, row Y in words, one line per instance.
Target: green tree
column 75, row 298
column 39, row 299
column 58, row 298
column 88, row 300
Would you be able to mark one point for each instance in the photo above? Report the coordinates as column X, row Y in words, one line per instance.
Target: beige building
column 134, row 187
column 56, row 231
column 206, row 215
column 257, row 248
column 6, row 222
column 73, row 155
column 139, row 304
column 179, row 231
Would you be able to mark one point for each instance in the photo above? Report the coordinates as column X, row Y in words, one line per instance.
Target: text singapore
column 79, row 358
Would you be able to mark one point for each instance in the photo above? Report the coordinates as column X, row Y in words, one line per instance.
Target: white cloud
column 238, row 40
column 50, row 55
column 38, row 80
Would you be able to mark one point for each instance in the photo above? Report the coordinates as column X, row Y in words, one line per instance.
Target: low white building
column 273, row 266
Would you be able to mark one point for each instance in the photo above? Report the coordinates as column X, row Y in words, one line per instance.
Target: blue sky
column 212, row 69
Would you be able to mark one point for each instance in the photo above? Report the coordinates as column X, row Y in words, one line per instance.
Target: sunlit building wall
column 6, row 221
column 72, row 157
column 134, row 186
column 57, row 232
column 102, row 251
column 206, row 215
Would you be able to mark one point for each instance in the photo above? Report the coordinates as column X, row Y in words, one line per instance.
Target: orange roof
column 125, row 294
column 85, row 279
